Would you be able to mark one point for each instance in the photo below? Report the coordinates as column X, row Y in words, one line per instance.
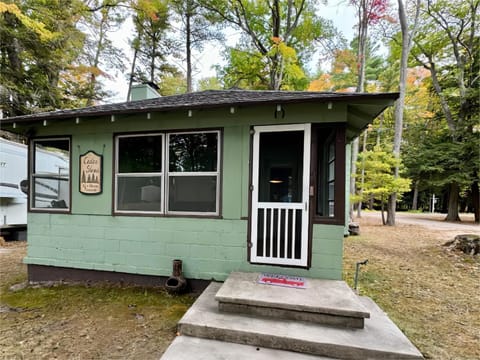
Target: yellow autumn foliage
column 36, row 26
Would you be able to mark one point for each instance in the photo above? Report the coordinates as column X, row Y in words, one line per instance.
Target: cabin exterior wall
column 91, row 237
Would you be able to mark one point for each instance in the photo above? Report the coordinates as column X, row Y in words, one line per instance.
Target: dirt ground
column 432, row 295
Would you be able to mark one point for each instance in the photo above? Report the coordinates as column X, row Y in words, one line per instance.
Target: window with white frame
column 172, row 173
column 50, row 174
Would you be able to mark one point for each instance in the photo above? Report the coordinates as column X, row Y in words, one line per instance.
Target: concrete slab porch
column 379, row 339
column 321, row 301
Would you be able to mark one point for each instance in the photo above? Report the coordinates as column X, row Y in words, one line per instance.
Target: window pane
column 139, row 193
column 52, row 157
column 280, row 166
column 193, row 152
column 193, row 193
column 331, row 150
column 331, row 209
column 326, row 172
column 140, row 154
column 331, row 171
column 51, row 174
column 331, row 191
column 50, row 192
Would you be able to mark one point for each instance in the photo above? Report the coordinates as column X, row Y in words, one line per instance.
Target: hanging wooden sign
column 91, row 173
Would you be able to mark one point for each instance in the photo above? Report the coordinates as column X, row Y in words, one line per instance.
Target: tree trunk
column 152, row 65
column 380, row 128
column 188, row 15
column 476, row 201
column 441, row 96
column 397, row 140
column 415, row 196
column 362, row 44
column 14, row 65
column 382, row 210
column 132, row 72
column 392, row 203
column 453, row 197
column 96, row 60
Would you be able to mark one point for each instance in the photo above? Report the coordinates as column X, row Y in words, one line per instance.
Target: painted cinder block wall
column 92, row 238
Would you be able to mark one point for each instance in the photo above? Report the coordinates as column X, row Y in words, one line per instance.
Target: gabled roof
column 364, row 106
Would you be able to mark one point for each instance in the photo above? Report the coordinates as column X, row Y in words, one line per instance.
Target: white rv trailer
column 13, row 191
column 14, row 184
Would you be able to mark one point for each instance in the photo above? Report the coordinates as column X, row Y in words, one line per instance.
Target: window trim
column 165, row 174
column 32, row 175
column 340, row 176
column 193, row 173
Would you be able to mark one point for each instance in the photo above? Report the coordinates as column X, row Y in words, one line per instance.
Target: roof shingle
column 204, row 99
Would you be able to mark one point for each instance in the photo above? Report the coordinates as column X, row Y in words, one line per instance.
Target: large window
column 329, row 151
column 172, row 173
column 50, row 175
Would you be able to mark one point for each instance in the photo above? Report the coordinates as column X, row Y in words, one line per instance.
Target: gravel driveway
column 434, row 222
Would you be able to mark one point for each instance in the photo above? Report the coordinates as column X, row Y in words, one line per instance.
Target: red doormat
column 296, row 282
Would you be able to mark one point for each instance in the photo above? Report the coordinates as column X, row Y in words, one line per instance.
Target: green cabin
column 226, row 180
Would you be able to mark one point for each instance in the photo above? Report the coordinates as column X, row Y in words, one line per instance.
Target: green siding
column 91, row 238
column 209, row 248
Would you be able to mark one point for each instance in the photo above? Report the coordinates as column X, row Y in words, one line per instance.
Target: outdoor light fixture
column 232, row 110
column 112, row 118
column 190, row 113
column 77, row 120
column 276, row 181
column 329, row 105
column 44, row 122
column 279, row 110
column 148, row 116
column 14, row 125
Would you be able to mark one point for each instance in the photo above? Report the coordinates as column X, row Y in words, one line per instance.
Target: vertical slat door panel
column 278, row 239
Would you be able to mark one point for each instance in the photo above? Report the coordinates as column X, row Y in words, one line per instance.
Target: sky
column 343, row 18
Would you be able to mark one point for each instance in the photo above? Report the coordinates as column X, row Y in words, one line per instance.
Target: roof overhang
column 362, row 108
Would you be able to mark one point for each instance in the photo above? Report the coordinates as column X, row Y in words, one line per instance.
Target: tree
column 379, row 176
column 368, row 12
column 448, row 46
column 151, row 44
column 276, row 34
column 36, row 51
column 99, row 55
column 173, row 83
column 419, row 123
column 408, row 33
column 210, row 83
column 343, row 74
column 197, row 27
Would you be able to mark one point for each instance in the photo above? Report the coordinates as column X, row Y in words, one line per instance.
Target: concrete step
column 190, row 348
column 321, row 301
column 379, row 339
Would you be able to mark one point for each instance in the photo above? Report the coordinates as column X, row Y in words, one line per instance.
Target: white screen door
column 280, row 190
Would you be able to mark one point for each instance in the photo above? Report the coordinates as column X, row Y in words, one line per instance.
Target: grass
column 430, row 293
column 86, row 322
